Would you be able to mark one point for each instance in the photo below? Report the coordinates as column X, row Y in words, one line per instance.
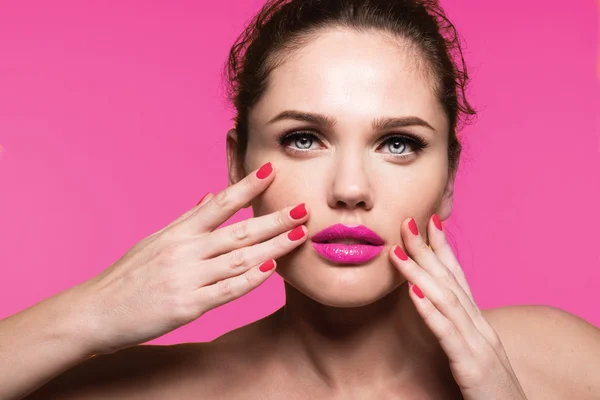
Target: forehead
column 352, row 76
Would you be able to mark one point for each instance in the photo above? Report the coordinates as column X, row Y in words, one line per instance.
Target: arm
column 41, row 342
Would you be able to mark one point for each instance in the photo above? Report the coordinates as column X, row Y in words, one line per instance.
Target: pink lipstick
column 344, row 244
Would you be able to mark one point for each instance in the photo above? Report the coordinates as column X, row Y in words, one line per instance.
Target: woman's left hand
column 441, row 295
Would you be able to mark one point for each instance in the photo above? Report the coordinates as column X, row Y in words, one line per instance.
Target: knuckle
column 279, row 244
column 249, row 280
column 448, row 278
column 429, row 316
column 422, row 246
column 168, row 238
column 225, row 288
column 493, row 337
column 182, row 311
column 450, row 331
column 450, row 299
column 239, row 231
column 222, row 198
column 280, row 219
column 248, row 184
column 457, row 271
column 209, row 298
column 237, row 258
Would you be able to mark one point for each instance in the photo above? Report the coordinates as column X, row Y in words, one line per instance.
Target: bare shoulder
column 188, row 370
column 554, row 353
column 128, row 373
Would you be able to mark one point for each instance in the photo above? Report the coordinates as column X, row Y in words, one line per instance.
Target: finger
column 447, row 269
column 228, row 201
column 240, row 260
column 189, row 212
column 442, row 297
column 440, row 245
column 252, row 231
column 184, row 216
column 425, row 257
column 451, row 340
column 227, row 290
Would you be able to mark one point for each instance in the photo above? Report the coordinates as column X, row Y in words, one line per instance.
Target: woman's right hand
column 175, row 275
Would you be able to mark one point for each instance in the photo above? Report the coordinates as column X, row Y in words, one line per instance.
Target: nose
column 350, row 187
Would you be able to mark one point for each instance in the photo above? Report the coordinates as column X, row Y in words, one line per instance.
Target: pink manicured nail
column 436, row 222
column 400, row 253
column 417, row 291
column 296, row 233
column 267, row 265
column 413, row 226
column 264, row 171
column 202, row 199
column 298, row 211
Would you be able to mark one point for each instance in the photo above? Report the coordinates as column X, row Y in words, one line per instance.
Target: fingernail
column 202, row 199
column 264, row 171
column 436, row 222
column 267, row 265
column 413, row 226
column 417, row 291
column 298, row 212
column 400, row 253
column 296, row 233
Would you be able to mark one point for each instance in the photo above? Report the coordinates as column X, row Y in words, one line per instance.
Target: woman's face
column 346, row 171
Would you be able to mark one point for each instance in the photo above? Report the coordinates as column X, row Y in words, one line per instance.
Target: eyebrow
column 381, row 123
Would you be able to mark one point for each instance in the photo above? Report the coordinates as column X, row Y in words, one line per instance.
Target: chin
column 338, row 285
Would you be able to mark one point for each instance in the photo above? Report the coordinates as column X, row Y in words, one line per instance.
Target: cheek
column 286, row 190
column 412, row 195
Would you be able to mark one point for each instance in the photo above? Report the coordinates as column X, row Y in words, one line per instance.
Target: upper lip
column 340, row 231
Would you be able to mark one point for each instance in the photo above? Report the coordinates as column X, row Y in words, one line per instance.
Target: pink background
column 113, row 123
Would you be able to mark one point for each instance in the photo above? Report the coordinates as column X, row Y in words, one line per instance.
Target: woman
column 345, row 146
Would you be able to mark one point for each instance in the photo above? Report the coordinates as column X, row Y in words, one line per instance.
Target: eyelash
column 415, row 142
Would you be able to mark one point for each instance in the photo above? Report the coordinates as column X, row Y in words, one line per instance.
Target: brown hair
column 285, row 25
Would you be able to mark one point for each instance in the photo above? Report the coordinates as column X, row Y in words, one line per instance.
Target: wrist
column 77, row 321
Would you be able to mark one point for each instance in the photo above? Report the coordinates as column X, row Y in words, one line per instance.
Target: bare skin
column 252, row 362
column 345, row 332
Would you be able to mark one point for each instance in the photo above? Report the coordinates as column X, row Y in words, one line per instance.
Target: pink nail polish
column 264, row 171
column 400, row 254
column 417, row 291
column 296, row 234
column 202, row 199
column 413, row 226
column 267, row 265
column 298, row 212
column 436, row 222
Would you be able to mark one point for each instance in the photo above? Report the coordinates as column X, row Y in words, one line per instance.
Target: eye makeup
column 416, row 143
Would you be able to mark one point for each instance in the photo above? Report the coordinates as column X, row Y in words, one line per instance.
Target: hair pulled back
column 282, row 26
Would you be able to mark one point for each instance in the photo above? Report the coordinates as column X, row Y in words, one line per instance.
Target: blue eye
column 396, row 144
column 302, row 140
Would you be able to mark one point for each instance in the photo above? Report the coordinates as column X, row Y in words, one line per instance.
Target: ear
column 234, row 164
column 445, row 208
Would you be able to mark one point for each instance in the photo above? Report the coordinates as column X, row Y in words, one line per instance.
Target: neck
column 381, row 344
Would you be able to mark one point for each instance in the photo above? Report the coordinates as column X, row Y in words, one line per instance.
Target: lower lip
column 347, row 253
